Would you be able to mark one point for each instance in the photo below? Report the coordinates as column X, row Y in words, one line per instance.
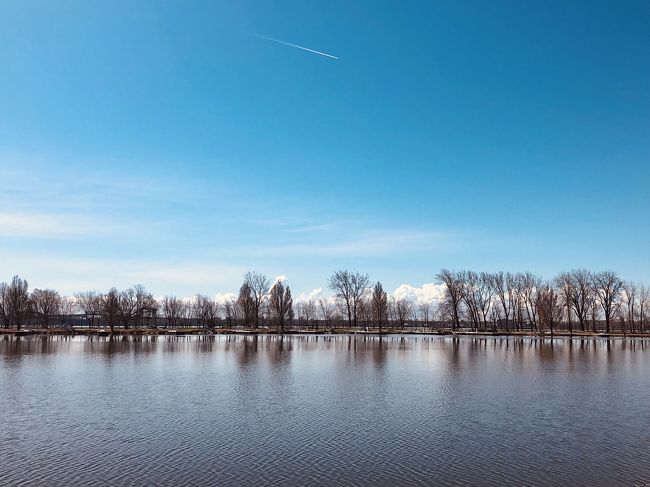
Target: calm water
column 319, row 411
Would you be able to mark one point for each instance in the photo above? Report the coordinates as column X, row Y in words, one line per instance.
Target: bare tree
column 47, row 305
column 581, row 295
column 644, row 296
column 133, row 304
column 259, row 286
column 111, row 309
column 608, row 288
column 564, row 285
column 4, row 304
column 495, row 315
column 629, row 296
column 477, row 294
column 549, row 307
column 379, row 305
column 298, row 314
column 391, row 311
column 600, row 301
column 246, row 304
column 530, row 285
column 424, row 312
column 91, row 304
column 127, row 307
column 327, row 311
column 402, row 311
column 280, row 305
column 593, row 310
column 230, row 311
column 453, row 293
column 503, row 285
column 364, row 311
column 205, row 311
column 350, row 287
column 69, row 306
column 308, row 311
column 470, row 283
column 338, row 311
column 18, row 305
column 517, row 298
column 173, row 310
column 485, row 296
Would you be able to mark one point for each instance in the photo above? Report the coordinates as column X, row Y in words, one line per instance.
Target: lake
column 324, row 410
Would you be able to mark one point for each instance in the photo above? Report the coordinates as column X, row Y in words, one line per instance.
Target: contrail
column 295, row 45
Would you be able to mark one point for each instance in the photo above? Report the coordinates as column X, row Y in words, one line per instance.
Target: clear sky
column 167, row 143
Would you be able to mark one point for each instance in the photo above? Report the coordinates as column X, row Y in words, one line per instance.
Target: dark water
column 324, row 411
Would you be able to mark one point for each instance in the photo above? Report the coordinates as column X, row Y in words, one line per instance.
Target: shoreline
column 43, row 332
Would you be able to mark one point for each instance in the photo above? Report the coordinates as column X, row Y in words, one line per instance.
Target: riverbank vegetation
column 574, row 302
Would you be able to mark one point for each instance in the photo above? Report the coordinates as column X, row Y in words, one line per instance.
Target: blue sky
column 165, row 143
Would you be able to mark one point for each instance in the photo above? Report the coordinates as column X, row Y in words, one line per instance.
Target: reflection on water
column 323, row 410
column 253, row 344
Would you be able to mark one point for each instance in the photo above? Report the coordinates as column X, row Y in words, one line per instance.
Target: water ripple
column 321, row 410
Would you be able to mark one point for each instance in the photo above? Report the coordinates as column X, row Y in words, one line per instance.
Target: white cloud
column 426, row 294
column 314, row 294
column 224, row 297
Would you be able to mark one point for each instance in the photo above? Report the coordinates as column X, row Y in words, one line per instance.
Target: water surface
column 324, row 410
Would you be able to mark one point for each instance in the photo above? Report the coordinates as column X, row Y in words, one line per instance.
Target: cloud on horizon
column 428, row 293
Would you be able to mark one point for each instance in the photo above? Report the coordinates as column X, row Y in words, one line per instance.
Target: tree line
column 578, row 300
column 575, row 300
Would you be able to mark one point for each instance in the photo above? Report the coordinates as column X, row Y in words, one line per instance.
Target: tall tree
column 111, row 308
column 530, row 285
column 608, row 288
column 350, row 287
column 47, row 305
column 259, row 286
column 402, row 311
column 503, row 286
column 549, row 307
column 308, row 310
column 327, row 311
column 4, row 303
column 69, row 306
column 18, row 305
column 379, row 302
column 581, row 288
column 364, row 311
column 453, row 293
column 280, row 304
column 644, row 297
column 172, row 309
column 230, row 310
column 133, row 304
column 91, row 304
column 485, row 296
column 477, row 294
column 564, row 286
column 205, row 311
column 629, row 296
column 424, row 311
column 246, row 305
